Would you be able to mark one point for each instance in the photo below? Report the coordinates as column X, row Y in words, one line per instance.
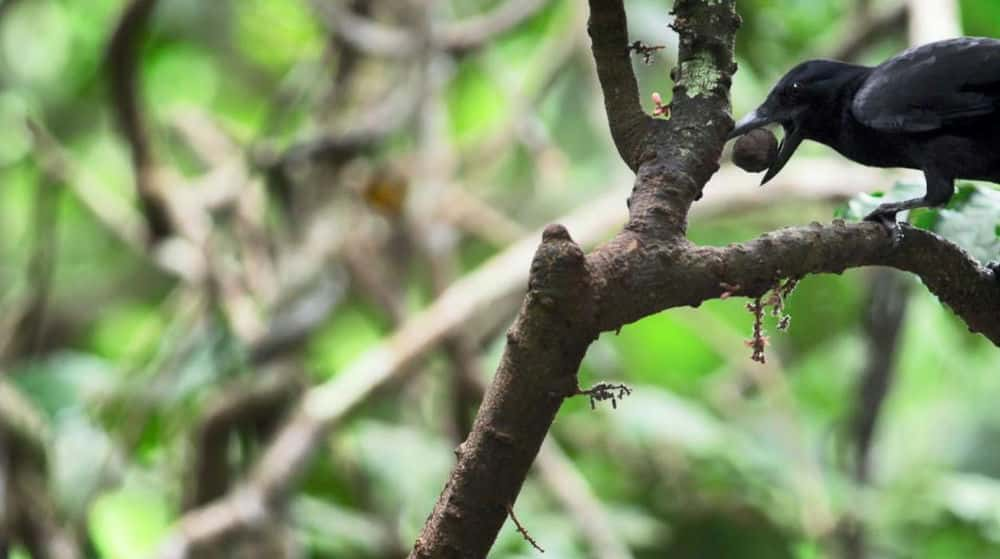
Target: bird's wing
column 928, row 87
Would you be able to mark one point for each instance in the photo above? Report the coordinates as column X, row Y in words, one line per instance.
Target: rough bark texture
column 544, row 349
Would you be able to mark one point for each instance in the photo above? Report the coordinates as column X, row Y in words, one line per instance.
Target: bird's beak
column 791, row 141
column 755, row 119
column 793, row 134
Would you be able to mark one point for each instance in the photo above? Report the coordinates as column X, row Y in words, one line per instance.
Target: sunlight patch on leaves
column 128, row 523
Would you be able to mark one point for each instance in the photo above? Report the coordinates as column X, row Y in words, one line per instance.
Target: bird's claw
column 887, row 219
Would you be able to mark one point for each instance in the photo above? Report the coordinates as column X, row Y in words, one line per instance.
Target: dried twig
column 520, row 530
column 647, row 52
column 605, row 391
column 758, row 307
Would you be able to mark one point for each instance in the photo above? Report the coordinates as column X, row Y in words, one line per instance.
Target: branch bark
column 608, row 28
column 643, row 278
column 537, row 372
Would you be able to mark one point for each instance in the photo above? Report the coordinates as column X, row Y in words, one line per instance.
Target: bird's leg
column 939, row 190
column 885, row 215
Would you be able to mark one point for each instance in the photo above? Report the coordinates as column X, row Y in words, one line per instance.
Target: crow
column 934, row 107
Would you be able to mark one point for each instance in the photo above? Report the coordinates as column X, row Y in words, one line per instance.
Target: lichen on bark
column 699, row 76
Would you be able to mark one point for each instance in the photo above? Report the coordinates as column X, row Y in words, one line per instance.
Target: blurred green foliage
column 712, row 456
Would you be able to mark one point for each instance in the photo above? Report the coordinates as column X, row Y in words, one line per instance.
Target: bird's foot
column 886, row 217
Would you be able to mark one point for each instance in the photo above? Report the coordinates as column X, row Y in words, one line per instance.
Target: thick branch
column 674, row 159
column 642, row 278
column 473, row 298
column 538, row 370
column 689, row 147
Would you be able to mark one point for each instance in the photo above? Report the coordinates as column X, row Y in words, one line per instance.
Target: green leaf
column 277, row 34
column 180, row 76
column 82, row 455
column 337, row 531
column 347, row 336
column 37, row 43
column 15, row 138
column 476, row 104
column 970, row 219
column 64, row 381
column 663, row 351
column 405, row 465
column 129, row 332
column 128, row 523
column 863, row 204
column 654, row 415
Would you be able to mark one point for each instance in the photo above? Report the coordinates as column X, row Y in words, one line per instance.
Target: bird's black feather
column 932, row 86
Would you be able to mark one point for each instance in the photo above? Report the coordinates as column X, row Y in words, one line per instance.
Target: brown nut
column 755, row 150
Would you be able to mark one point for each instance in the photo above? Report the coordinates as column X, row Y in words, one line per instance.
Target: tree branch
column 240, row 407
column 476, row 31
column 122, row 66
column 385, row 40
column 608, row 28
column 28, row 512
column 670, row 275
column 537, row 371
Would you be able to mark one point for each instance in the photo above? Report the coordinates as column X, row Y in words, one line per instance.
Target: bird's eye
column 793, row 92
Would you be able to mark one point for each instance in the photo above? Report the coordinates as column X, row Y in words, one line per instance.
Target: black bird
column 934, row 107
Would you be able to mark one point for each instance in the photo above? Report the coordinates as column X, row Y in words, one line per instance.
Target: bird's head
column 804, row 91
